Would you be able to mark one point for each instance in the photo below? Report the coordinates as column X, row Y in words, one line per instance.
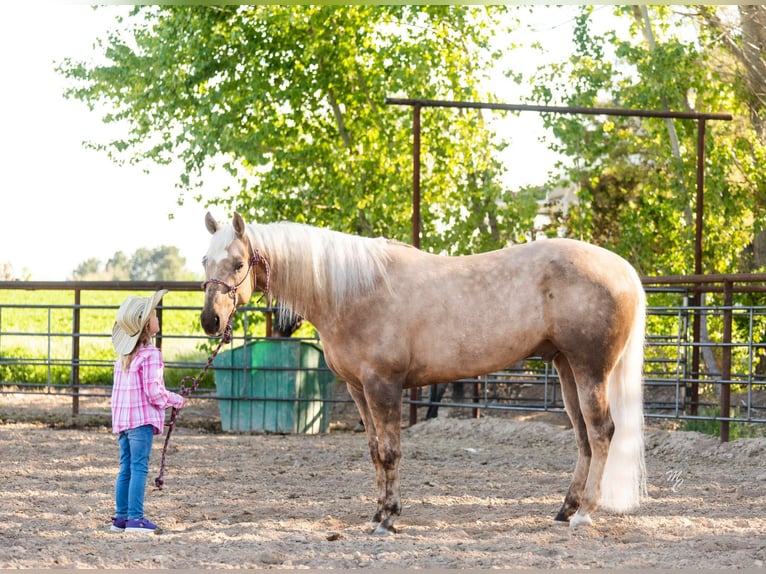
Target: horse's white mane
column 312, row 267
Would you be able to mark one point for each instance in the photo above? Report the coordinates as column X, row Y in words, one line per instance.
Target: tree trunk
column 751, row 55
column 641, row 15
column 711, row 364
column 748, row 45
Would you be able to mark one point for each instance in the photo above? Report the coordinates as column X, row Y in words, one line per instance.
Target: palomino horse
column 392, row 317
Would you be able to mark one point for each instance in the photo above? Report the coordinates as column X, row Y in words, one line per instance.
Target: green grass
column 41, row 332
column 711, row 427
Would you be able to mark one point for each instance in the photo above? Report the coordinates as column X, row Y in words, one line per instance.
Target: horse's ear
column 239, row 225
column 210, row 223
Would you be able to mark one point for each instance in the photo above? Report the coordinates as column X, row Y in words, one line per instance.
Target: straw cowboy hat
column 132, row 317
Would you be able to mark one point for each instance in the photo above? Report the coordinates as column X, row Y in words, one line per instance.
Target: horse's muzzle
column 211, row 322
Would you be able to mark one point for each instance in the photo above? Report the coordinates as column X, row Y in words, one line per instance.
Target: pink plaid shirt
column 139, row 397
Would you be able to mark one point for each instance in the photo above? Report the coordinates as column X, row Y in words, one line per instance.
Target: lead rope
column 225, row 339
column 185, row 392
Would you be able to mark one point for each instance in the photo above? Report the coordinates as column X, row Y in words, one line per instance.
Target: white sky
column 61, row 204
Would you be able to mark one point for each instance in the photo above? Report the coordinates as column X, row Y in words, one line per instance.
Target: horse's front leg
column 383, row 397
column 390, row 502
column 372, row 440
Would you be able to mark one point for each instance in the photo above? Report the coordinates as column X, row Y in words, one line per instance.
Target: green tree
column 118, row 267
column 636, row 177
column 741, row 31
column 159, row 264
column 290, row 100
column 88, row 269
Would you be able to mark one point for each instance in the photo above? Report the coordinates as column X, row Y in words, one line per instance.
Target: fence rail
column 705, row 348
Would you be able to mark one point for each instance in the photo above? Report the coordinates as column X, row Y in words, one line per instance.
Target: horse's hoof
column 580, row 520
column 563, row 517
column 383, row 531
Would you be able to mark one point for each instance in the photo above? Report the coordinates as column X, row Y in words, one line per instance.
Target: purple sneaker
column 118, row 524
column 140, row 525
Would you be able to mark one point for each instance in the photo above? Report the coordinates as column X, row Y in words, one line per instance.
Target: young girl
column 139, row 400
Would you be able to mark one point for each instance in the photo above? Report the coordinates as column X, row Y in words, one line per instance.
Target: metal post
column 698, row 234
column 700, row 220
column 415, row 392
column 416, row 176
column 75, row 380
column 158, row 336
column 477, row 388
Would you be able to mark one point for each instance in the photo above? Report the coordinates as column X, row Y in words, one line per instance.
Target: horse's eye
column 239, row 266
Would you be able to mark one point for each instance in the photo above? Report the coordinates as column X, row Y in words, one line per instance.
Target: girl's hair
column 143, row 339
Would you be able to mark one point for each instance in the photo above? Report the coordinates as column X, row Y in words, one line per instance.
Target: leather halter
column 252, row 266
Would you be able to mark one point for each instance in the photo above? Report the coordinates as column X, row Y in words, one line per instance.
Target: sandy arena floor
column 478, row 493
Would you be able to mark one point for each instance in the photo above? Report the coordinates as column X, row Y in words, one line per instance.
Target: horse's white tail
column 624, row 481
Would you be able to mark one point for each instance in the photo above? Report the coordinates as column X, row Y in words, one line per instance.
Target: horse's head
column 234, row 270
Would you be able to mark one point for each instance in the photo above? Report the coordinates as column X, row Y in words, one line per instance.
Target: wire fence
column 705, row 354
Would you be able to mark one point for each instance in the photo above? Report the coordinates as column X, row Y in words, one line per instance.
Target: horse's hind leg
column 436, row 394
column 574, row 495
column 595, row 411
column 586, row 397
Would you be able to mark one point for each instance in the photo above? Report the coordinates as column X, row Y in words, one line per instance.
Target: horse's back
column 468, row 315
column 527, row 273
column 569, row 257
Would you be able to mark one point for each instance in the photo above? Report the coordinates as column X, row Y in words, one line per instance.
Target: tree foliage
column 636, row 178
column 7, row 273
column 290, row 100
column 160, row 264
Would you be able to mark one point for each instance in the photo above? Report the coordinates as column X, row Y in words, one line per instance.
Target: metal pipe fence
column 48, row 345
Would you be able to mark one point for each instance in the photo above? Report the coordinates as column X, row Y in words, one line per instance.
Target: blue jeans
column 135, row 449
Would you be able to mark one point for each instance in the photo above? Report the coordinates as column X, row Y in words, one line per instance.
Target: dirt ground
column 478, row 493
